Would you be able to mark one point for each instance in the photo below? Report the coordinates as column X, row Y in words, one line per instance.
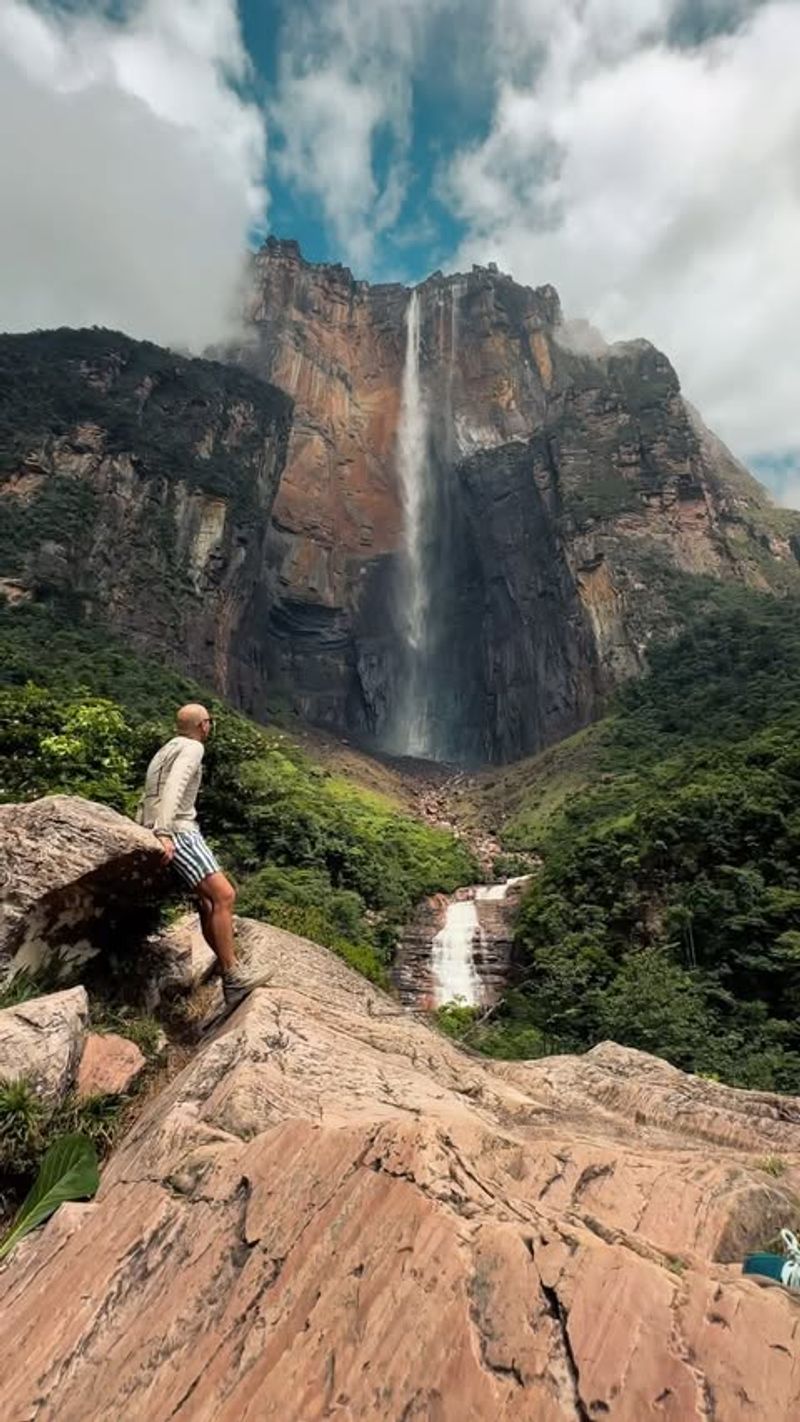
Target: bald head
column 194, row 721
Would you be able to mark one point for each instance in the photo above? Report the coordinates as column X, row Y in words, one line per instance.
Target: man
column 168, row 809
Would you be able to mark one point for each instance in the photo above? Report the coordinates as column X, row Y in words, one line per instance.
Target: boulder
column 41, row 1041
column 109, row 1066
column 177, row 960
column 64, row 862
column 333, row 1212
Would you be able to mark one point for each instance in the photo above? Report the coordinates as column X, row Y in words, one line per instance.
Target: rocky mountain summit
column 538, row 502
column 333, row 1211
column 567, row 492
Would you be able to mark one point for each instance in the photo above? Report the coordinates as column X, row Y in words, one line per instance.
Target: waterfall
column 413, row 732
column 453, row 956
column 424, row 722
column 469, row 926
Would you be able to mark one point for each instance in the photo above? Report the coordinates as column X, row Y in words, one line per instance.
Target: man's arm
column 181, row 771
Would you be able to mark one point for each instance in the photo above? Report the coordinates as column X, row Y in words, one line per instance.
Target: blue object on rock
column 780, row 1269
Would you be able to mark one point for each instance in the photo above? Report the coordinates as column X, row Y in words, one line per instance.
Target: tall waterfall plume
column 413, row 731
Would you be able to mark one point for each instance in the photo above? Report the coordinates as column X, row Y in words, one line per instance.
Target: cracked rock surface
column 334, row 1213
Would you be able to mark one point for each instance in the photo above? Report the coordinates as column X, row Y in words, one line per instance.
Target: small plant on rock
column 771, row 1165
column 21, row 1119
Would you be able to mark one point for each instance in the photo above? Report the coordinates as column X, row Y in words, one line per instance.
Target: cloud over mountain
column 136, row 170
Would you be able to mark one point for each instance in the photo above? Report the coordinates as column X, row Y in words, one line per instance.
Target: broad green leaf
column 68, row 1172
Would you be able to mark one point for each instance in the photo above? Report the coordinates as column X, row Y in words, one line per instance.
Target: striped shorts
column 193, row 859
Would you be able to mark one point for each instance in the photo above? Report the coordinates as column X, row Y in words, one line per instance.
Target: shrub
column 667, row 911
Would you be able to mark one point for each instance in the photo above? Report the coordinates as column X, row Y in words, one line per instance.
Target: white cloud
column 657, row 187
column 135, row 172
column 345, row 89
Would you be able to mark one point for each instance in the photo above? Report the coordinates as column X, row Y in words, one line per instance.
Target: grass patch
column 771, row 1165
column 29, row 1125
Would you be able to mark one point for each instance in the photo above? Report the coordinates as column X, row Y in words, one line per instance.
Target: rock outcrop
column 69, row 870
column 42, row 1040
column 138, row 486
column 110, row 1065
column 567, row 487
column 175, row 961
column 333, row 1212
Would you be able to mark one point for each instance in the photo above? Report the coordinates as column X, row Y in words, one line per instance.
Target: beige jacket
column 171, row 786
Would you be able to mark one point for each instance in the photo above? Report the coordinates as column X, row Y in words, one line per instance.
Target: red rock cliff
column 567, row 484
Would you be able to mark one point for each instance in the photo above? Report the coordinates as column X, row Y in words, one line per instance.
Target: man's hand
column 167, row 845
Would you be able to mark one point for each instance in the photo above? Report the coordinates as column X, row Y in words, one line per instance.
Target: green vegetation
column 143, row 397
column 28, row 1125
column 511, row 1037
column 141, row 1028
column 667, row 912
column 68, row 1172
column 771, row 1165
column 62, row 510
column 312, row 851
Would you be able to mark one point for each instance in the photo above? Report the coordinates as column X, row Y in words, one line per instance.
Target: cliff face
column 139, row 485
column 452, row 536
column 564, row 487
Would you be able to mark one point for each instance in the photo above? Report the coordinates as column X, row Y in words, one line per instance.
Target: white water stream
column 455, row 975
column 455, row 978
column 412, row 461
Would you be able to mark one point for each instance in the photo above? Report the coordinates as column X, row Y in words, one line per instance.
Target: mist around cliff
column 135, row 178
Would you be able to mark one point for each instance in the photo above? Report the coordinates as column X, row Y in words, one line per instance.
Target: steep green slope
column 314, row 851
column 667, row 912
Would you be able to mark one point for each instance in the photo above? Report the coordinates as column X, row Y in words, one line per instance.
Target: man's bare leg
column 204, row 908
column 216, row 897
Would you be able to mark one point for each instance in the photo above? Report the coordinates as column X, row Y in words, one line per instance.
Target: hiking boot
column 782, row 1270
column 239, row 982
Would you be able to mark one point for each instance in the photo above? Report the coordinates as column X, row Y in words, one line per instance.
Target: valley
column 501, row 650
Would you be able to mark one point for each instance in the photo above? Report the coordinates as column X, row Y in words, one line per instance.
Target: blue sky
column 444, row 114
column 640, row 155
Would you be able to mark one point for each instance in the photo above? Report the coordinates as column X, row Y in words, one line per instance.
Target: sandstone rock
column 564, row 467
column 333, row 1212
column 63, row 861
column 564, row 475
column 41, row 1041
column 109, row 1066
column 178, row 959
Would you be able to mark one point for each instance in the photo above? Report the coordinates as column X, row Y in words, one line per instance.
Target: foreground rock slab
column 41, row 1041
column 63, row 860
column 334, row 1213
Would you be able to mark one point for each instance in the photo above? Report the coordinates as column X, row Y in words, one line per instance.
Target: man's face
column 205, row 727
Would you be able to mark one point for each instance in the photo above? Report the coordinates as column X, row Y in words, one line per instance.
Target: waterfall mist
column 412, row 729
column 430, row 699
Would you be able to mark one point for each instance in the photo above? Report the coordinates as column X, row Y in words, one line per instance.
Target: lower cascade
column 458, row 949
column 455, row 978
